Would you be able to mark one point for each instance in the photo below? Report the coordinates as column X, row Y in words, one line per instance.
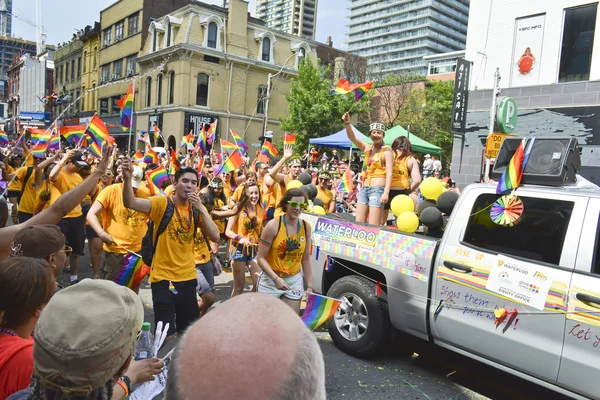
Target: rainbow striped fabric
column 187, row 141
column 228, row 147
column 73, row 134
column 39, row 135
column 345, row 185
column 359, row 89
column 289, row 139
column 212, row 131
column 54, row 142
column 3, row 138
column 97, row 131
column 138, row 157
column 158, row 177
column 39, row 149
column 142, row 137
column 269, row 150
column 174, row 164
column 511, row 177
column 201, row 142
column 125, row 103
column 234, row 161
column 318, row 310
column 238, row 140
column 132, row 271
column 95, row 149
column 151, row 157
column 157, row 132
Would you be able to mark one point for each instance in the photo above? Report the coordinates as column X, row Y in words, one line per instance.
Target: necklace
column 8, row 332
column 187, row 224
column 371, row 155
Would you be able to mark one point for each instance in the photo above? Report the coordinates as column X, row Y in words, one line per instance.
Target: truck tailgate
column 405, row 260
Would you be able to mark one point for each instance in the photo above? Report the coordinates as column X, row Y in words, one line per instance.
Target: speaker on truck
column 552, row 161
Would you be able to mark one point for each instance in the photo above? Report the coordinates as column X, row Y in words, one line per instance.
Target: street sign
column 493, row 144
column 461, row 96
column 507, row 115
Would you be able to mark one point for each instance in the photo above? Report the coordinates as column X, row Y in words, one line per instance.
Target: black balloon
column 318, row 202
column 431, row 217
column 423, row 205
column 306, row 190
column 447, row 201
column 313, row 191
column 305, row 178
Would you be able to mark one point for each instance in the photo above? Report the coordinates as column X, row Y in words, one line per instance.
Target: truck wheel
column 361, row 324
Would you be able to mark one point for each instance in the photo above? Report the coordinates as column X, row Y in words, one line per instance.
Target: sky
column 60, row 25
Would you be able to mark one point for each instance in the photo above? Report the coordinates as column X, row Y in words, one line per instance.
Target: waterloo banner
column 341, row 234
column 527, row 50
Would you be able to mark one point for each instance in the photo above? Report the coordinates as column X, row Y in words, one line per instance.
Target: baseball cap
column 37, row 241
column 136, row 177
column 83, row 360
column 78, row 159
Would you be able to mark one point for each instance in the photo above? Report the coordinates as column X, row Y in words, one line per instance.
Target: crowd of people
column 62, row 199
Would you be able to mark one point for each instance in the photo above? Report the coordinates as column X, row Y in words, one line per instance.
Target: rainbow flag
column 238, row 140
column 39, row 136
column 289, row 139
column 345, row 185
column 73, row 134
column 511, row 177
column 157, row 132
column 151, row 157
column 54, row 142
column 269, row 150
column 158, row 177
column 97, row 131
column 234, row 161
column 228, row 147
column 359, row 89
column 318, row 310
column 187, row 141
column 125, row 103
column 95, row 149
column 201, row 142
column 39, row 149
column 142, row 137
column 132, row 271
column 174, row 165
column 211, row 134
column 138, row 157
column 200, row 166
column 3, row 138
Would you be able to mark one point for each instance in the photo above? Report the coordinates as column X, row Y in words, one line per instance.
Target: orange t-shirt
column 16, row 364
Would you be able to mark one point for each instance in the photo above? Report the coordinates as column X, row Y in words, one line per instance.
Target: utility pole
column 495, row 93
column 267, row 97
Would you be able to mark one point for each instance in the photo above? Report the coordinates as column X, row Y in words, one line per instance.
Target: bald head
column 252, row 346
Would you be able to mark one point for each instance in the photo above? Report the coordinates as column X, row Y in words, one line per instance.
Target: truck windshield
column 538, row 236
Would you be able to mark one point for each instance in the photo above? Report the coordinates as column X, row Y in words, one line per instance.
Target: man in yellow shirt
column 173, row 274
column 122, row 229
column 25, row 177
column 64, row 176
column 324, row 194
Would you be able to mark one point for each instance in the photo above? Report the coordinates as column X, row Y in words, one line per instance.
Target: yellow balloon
column 319, row 210
column 431, row 188
column 402, row 203
column 294, row 184
column 407, row 222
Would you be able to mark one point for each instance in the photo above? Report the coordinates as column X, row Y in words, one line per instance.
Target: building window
column 168, row 34
column 108, row 36
column 66, row 72
column 154, row 39
column 95, row 58
column 79, row 67
column 266, row 49
column 85, row 54
column 148, row 91
column 105, row 72
column 118, row 68
column 131, row 65
column 202, row 90
column 119, row 28
column 93, row 104
column 133, row 24
column 77, row 94
column 300, row 55
column 212, row 35
column 159, row 80
column 83, row 94
column 72, row 70
column 171, row 87
column 577, row 43
column 262, row 99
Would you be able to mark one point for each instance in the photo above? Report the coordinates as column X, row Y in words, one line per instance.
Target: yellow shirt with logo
column 126, row 226
column 28, row 200
column 246, row 227
column 400, row 172
column 172, row 261
column 66, row 182
column 325, row 196
column 285, row 254
column 40, row 205
column 219, row 222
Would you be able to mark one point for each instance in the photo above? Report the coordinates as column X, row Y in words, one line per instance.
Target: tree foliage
column 393, row 92
column 312, row 110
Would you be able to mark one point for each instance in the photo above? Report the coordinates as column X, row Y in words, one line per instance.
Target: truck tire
column 362, row 329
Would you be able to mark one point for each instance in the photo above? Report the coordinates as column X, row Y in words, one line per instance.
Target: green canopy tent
column 418, row 145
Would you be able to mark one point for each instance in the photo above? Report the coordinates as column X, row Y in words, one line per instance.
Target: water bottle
column 144, row 347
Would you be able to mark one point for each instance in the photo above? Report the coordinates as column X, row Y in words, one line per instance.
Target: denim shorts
column 371, row 195
column 205, row 278
column 244, row 253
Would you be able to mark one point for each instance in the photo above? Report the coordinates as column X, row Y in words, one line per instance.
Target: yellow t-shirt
column 285, row 254
column 169, row 190
column 325, row 196
column 54, row 195
column 66, row 182
column 227, row 190
column 172, row 261
column 400, row 172
column 237, row 194
column 14, row 185
column 28, row 157
column 201, row 250
column 219, row 222
column 27, row 203
column 126, row 226
column 245, row 227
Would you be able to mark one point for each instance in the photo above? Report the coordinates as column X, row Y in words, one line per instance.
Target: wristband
column 237, row 238
column 125, row 379
column 124, row 386
column 346, row 123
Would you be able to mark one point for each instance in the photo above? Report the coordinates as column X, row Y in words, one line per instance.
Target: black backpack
column 148, row 244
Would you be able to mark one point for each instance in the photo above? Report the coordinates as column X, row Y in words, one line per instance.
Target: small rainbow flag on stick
column 39, row 149
column 212, row 131
column 98, row 132
column 3, row 138
column 132, row 271
column 345, row 185
column 201, row 142
column 54, row 142
column 157, row 132
column 359, row 89
column 174, row 164
column 237, row 139
column 73, row 134
column 234, row 161
column 228, row 147
column 269, row 149
column 138, row 157
column 289, row 139
column 158, row 177
column 125, row 103
column 151, row 157
column 318, row 310
column 511, row 177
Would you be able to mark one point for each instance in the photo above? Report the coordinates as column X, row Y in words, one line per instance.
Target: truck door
column 580, row 363
column 526, row 268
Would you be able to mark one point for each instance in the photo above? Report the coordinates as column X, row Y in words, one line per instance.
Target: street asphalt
column 409, row 369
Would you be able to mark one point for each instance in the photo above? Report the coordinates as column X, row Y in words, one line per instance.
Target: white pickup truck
column 544, row 271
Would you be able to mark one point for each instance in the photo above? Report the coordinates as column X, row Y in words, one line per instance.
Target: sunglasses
column 68, row 250
column 210, row 172
column 295, row 204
